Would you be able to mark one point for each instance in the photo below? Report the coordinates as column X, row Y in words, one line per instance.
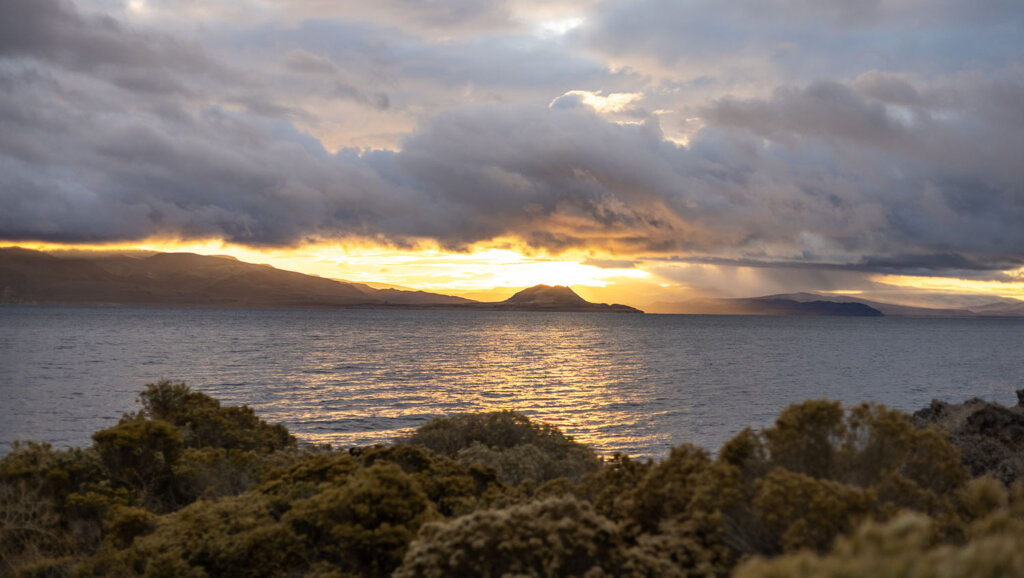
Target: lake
column 637, row 384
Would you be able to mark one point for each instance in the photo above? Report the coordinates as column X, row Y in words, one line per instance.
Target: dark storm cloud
column 108, row 133
column 507, row 60
column 825, row 109
column 799, row 40
column 924, row 265
column 941, row 165
column 53, row 30
column 555, row 178
column 447, row 14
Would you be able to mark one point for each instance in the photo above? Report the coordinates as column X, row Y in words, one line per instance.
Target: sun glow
column 559, row 26
column 601, row 103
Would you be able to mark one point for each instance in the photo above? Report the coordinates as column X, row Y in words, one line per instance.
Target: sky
column 637, row 150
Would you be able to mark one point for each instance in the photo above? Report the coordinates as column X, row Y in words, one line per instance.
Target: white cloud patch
column 603, row 104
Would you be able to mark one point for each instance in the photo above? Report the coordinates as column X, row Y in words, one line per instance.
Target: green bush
column 140, row 454
column 862, row 446
column 217, row 472
column 364, row 526
column 31, row 528
column 234, row 536
column 126, row 523
column 554, row 537
column 358, row 525
column 203, row 422
column 308, row 474
column 45, row 508
column 866, row 461
column 516, row 448
column 679, row 508
column 801, row 511
column 453, row 488
column 186, row 487
column 611, row 487
column 909, row 546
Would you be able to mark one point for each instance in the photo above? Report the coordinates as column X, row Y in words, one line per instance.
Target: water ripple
column 622, row 383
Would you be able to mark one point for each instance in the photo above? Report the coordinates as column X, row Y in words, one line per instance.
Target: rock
column 990, row 436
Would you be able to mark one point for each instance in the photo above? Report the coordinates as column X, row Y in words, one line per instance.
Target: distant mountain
column 889, row 309
column 821, row 304
column 1011, row 309
column 770, row 306
column 184, row 279
column 542, row 295
column 554, row 298
column 1003, row 308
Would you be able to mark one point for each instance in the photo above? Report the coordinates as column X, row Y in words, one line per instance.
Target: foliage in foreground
column 911, row 546
column 187, row 487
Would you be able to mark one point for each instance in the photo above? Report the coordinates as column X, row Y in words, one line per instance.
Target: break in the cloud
column 865, row 137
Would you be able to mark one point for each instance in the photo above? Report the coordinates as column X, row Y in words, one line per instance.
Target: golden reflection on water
column 563, row 374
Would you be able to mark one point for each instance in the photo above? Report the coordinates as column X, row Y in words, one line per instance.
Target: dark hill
column 559, row 295
column 554, row 298
column 184, row 279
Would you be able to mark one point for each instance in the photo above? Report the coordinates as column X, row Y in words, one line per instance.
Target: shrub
column 453, row 488
column 216, row 472
column 517, row 448
column 865, row 461
column 554, row 537
column 801, row 511
column 31, row 528
column 908, row 546
column 55, row 473
column 808, row 438
column 440, row 505
column 308, row 475
column 125, row 523
column 205, row 423
column 184, row 445
column 365, row 525
column 610, row 488
column 862, row 446
column 49, row 505
column 140, row 454
column 235, row 536
column 678, row 508
column 360, row 524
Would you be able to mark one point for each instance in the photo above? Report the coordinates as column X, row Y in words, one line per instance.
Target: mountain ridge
column 808, row 303
column 184, row 279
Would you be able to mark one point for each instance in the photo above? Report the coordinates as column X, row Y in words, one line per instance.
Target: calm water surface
column 632, row 383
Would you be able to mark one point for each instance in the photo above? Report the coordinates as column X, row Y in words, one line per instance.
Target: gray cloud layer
column 114, row 132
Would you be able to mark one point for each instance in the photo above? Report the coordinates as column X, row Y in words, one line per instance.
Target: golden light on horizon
column 494, row 271
column 1011, row 289
column 430, row 269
